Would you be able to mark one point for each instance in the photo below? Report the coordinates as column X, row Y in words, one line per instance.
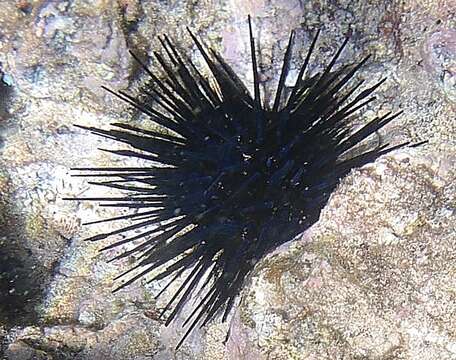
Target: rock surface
column 373, row 279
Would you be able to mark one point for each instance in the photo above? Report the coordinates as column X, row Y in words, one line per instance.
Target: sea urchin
column 231, row 178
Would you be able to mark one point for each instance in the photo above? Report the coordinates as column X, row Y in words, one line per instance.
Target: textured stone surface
column 439, row 54
column 372, row 280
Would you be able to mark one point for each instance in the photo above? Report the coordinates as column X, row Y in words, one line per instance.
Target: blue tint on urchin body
column 235, row 178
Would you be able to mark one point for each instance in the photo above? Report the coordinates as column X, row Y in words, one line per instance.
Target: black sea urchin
column 231, row 178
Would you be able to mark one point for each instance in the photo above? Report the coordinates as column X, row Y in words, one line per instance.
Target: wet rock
column 65, row 51
column 439, row 54
column 73, row 342
column 372, row 279
column 388, row 225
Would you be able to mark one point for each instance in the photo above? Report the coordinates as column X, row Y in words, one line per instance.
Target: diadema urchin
column 231, row 178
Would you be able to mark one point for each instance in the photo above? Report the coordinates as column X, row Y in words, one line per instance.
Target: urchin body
column 235, row 179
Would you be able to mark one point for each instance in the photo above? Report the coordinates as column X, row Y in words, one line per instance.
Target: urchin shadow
column 22, row 277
